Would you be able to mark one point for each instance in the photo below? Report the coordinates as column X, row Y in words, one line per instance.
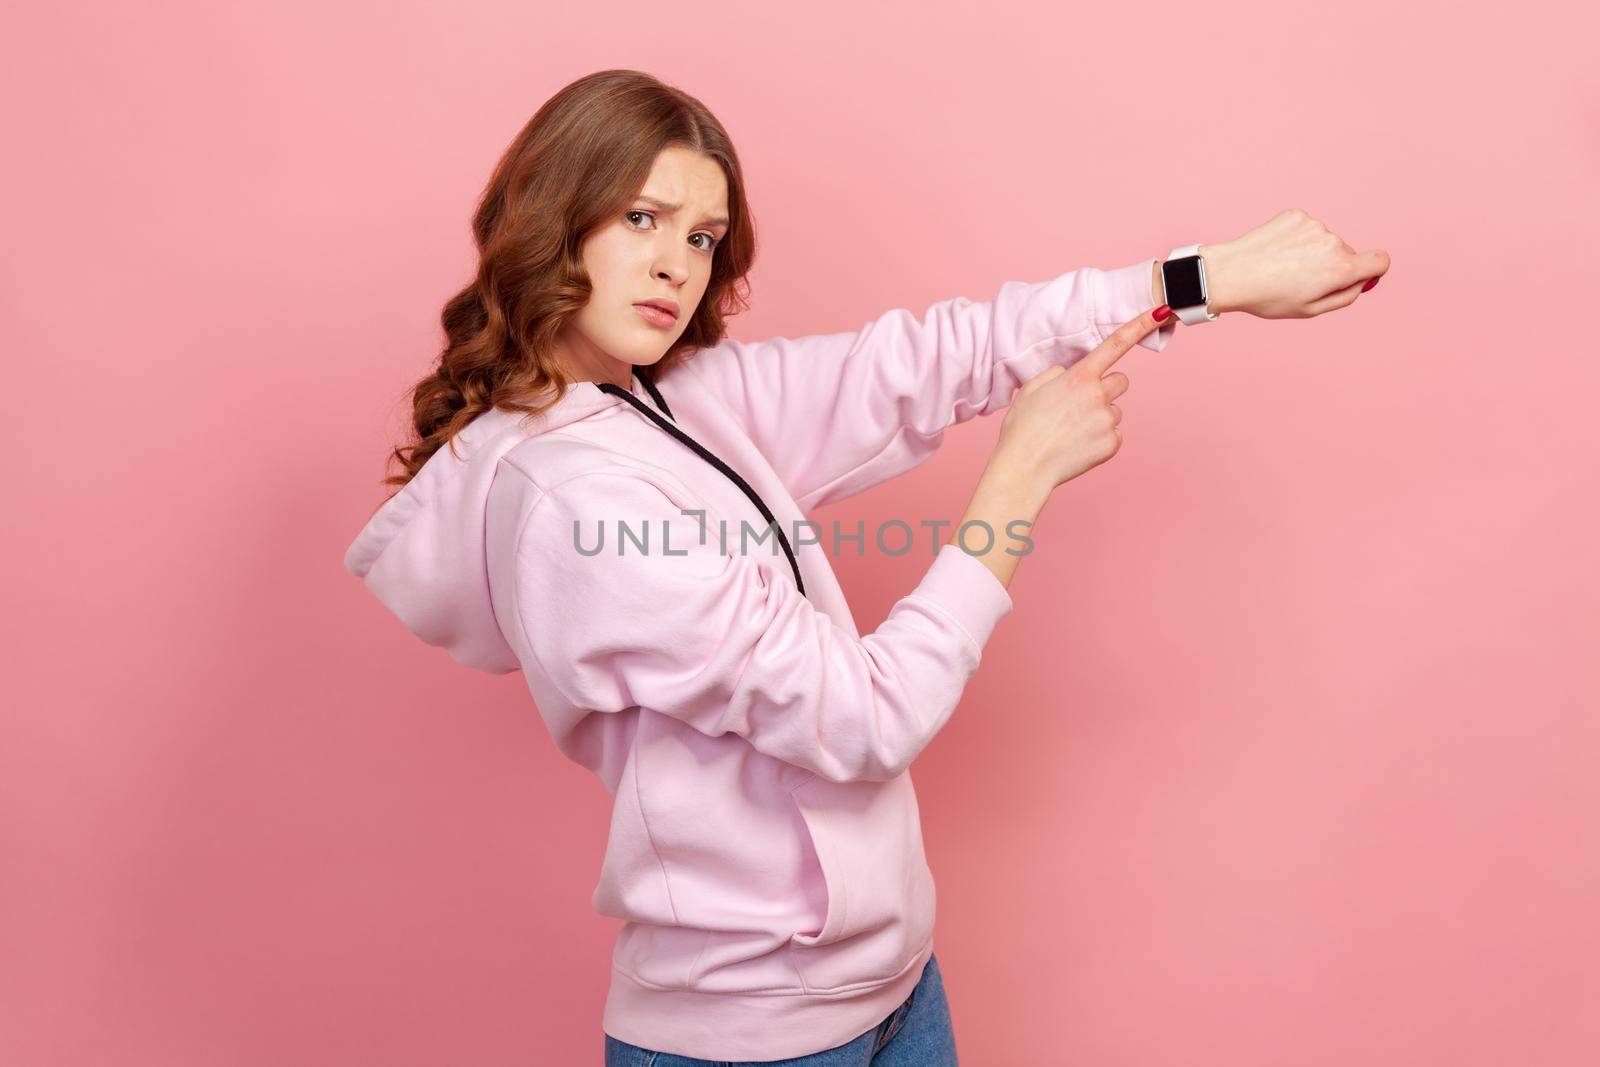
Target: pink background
column 1286, row 756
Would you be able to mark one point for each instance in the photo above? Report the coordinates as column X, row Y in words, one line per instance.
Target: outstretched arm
column 838, row 413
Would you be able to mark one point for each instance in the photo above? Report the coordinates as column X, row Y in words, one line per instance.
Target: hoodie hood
column 422, row 553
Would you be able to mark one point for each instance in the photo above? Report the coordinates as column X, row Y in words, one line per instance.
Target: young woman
column 618, row 515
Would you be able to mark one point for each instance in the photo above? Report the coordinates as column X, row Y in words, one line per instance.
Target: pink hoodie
column 765, row 854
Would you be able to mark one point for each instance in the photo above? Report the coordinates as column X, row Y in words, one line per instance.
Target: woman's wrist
column 1006, row 502
column 1016, row 481
column 1219, row 275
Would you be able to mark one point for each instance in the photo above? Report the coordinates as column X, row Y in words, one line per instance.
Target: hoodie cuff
column 967, row 590
column 1123, row 294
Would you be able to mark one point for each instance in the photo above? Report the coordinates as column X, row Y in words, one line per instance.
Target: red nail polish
column 1162, row 313
column 1370, row 283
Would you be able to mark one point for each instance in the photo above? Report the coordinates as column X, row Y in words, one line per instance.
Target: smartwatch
column 1183, row 274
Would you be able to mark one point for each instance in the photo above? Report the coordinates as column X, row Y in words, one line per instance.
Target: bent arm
column 717, row 641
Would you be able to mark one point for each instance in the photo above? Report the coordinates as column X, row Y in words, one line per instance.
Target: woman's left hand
column 1289, row 267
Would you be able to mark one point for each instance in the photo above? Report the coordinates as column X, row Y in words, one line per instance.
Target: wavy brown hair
column 578, row 162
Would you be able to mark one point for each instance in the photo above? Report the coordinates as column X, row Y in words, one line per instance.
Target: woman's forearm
column 1006, row 492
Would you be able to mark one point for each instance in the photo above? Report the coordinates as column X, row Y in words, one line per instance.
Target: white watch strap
column 1195, row 313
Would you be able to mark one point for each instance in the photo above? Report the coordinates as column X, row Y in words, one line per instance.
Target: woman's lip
column 655, row 316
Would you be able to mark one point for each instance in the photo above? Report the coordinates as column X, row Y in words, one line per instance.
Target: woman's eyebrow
column 669, row 208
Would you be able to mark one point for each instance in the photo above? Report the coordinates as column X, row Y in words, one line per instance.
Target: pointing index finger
column 1121, row 340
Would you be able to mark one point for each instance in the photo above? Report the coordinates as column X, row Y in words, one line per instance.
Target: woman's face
column 659, row 247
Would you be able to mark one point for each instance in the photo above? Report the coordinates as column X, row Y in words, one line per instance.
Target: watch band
column 1194, row 313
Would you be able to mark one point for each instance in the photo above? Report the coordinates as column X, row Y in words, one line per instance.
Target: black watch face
column 1181, row 276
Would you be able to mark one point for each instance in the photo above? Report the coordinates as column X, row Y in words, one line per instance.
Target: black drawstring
column 655, row 394
column 766, row 513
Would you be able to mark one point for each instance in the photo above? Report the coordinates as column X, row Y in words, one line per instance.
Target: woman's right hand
column 1062, row 421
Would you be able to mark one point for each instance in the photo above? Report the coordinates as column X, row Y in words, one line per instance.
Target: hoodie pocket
column 867, row 839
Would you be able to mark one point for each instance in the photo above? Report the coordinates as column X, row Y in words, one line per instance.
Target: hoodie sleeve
column 837, row 413
column 707, row 637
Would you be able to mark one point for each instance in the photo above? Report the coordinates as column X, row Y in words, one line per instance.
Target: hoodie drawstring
column 672, row 429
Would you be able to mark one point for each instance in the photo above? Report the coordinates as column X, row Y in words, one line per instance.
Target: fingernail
column 1370, row 283
column 1162, row 313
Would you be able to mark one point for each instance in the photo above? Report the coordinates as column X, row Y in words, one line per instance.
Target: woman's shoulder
column 551, row 461
column 587, row 477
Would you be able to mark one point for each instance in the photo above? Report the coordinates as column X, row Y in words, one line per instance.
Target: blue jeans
column 916, row 1034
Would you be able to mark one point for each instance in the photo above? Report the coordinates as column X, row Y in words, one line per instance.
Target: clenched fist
column 1289, row 267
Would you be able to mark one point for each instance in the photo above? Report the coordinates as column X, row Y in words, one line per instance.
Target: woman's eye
column 704, row 248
